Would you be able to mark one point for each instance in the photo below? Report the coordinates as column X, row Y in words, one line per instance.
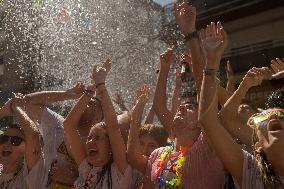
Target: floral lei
column 177, row 168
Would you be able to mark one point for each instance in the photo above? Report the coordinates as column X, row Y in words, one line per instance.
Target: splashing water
column 64, row 38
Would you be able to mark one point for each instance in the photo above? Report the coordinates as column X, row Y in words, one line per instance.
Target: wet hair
column 83, row 122
column 275, row 99
column 269, row 179
column 106, row 170
column 9, row 122
column 158, row 133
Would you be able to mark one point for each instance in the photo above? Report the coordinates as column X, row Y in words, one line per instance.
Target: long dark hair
column 106, row 171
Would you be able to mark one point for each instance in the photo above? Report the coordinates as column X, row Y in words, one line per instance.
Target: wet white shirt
column 251, row 175
column 52, row 131
column 88, row 177
column 24, row 179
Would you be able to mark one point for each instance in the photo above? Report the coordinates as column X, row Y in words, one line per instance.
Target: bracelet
column 89, row 93
column 99, row 84
column 191, row 35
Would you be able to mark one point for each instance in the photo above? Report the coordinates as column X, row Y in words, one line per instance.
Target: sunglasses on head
column 14, row 140
column 263, row 119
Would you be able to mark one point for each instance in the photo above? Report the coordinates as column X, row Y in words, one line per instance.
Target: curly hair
column 269, row 179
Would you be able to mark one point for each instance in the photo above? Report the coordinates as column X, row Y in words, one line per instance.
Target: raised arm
column 72, row 120
column 150, row 117
column 175, row 100
column 231, row 85
column 229, row 113
column 48, row 97
column 116, row 141
column 223, row 95
column 185, row 17
column 134, row 154
column 33, row 150
column 176, row 96
column 228, row 151
column 160, row 96
column 6, row 110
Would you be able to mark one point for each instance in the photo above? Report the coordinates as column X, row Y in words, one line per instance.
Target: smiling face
column 12, row 150
column 97, row 146
column 269, row 128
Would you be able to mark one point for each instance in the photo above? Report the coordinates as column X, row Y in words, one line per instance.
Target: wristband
column 191, row 35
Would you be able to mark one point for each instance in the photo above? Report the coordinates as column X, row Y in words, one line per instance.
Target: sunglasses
column 263, row 119
column 14, row 140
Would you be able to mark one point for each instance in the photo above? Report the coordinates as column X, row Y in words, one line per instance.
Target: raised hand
column 118, row 98
column 141, row 99
column 166, row 58
column 214, row 41
column 185, row 17
column 142, row 94
column 100, row 72
column 76, row 91
column 120, row 101
column 255, row 76
column 277, row 65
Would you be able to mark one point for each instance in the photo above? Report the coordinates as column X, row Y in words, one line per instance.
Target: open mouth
column 92, row 152
column 275, row 125
column 6, row 153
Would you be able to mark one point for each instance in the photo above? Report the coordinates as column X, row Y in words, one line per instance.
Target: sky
column 164, row 2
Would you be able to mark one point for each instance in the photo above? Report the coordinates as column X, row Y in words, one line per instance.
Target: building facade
column 255, row 30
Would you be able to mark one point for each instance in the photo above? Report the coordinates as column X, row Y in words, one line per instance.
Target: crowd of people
column 208, row 138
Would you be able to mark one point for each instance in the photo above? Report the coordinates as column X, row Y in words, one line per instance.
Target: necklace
column 6, row 183
column 176, row 168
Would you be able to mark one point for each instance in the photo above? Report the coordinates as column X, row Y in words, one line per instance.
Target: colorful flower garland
column 177, row 168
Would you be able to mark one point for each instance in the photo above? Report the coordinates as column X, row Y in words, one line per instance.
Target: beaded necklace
column 176, row 168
